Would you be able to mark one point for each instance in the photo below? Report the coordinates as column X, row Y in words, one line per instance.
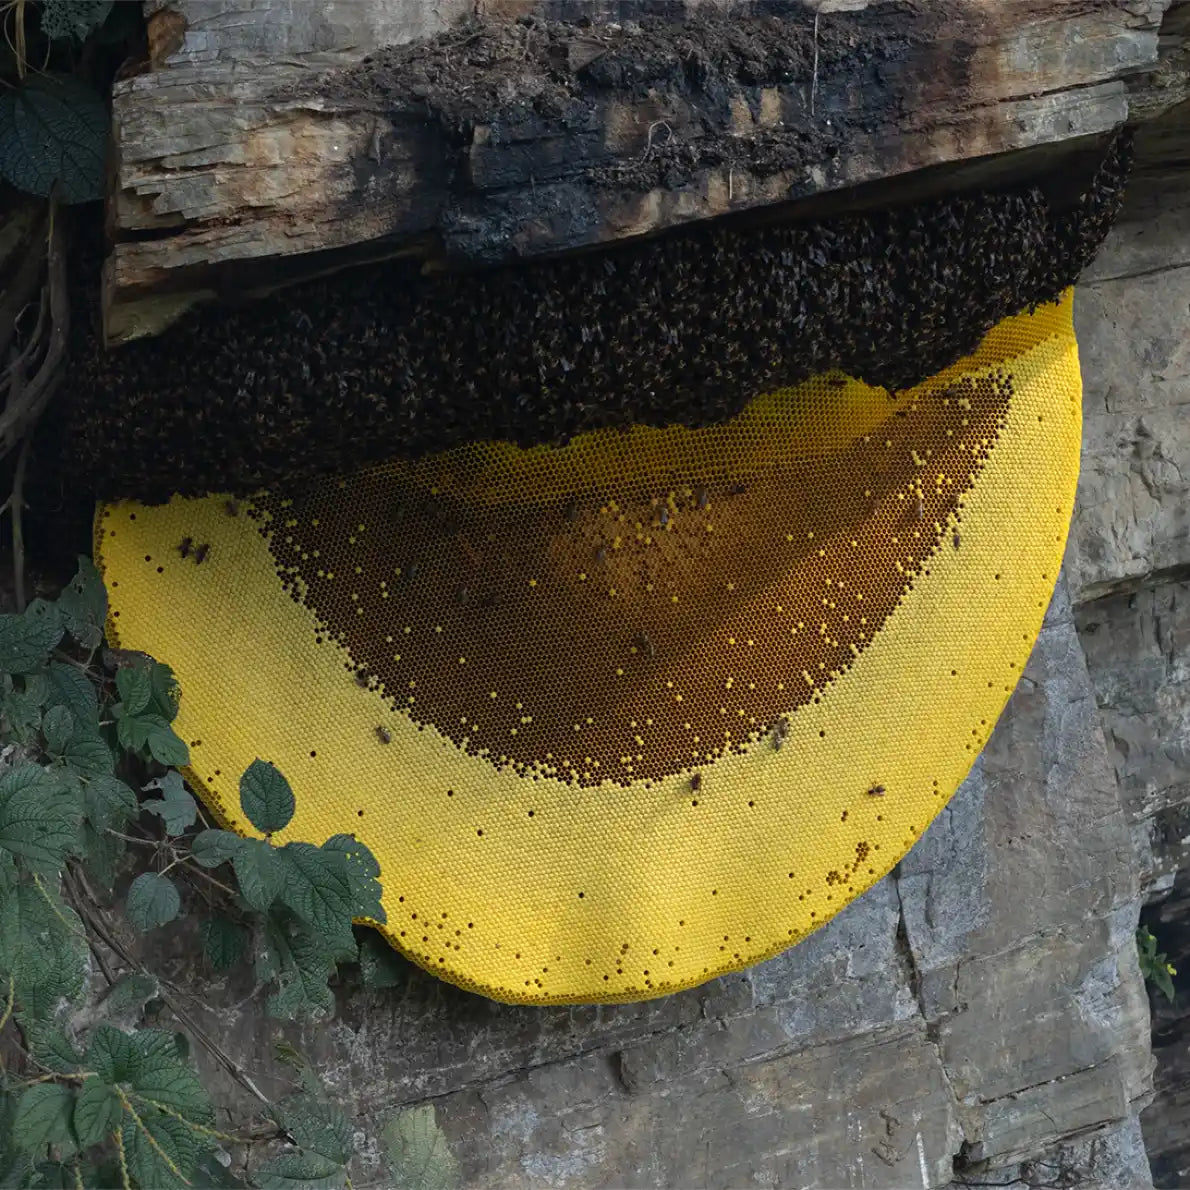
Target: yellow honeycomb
column 619, row 717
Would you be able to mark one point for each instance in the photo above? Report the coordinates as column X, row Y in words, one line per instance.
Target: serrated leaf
column 380, row 965
column 108, row 802
column 73, row 18
column 39, row 816
column 58, row 727
column 300, row 1171
column 316, row 1126
column 43, row 1117
column 301, row 964
column 113, row 1055
column 88, row 755
column 83, row 605
column 134, row 688
column 223, row 942
column 166, row 746
column 71, row 688
column 146, row 1155
column 177, row 808
column 266, row 797
column 362, row 870
column 50, row 1046
column 26, row 640
column 42, row 946
column 165, row 690
column 318, row 892
column 259, row 873
column 152, row 901
column 417, row 1153
column 96, row 1112
column 174, row 1085
column 53, row 130
column 214, row 847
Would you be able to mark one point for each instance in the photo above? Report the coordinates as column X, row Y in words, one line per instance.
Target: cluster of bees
column 683, row 329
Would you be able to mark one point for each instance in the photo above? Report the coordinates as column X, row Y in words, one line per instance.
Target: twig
column 72, row 893
column 814, row 80
column 18, row 528
column 21, row 292
column 204, row 1039
column 8, row 1003
column 24, row 408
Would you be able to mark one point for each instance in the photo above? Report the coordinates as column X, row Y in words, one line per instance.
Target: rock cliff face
column 979, row 1017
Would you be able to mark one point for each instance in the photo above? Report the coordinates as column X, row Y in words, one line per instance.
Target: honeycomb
column 623, row 715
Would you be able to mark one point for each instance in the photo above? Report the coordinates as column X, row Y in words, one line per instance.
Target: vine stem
column 125, row 1180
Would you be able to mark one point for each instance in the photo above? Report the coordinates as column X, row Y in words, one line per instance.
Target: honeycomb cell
column 671, row 691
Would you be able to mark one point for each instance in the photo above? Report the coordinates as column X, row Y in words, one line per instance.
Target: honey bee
column 957, row 539
column 462, row 595
column 384, row 735
column 645, row 644
column 695, row 782
column 185, row 546
column 601, row 555
column 780, row 733
column 232, row 508
column 738, row 489
column 876, row 791
column 703, row 498
column 361, row 679
column 570, row 512
column 920, row 508
column 663, row 517
column 200, row 554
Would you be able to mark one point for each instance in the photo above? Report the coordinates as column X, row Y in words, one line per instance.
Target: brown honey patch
column 631, row 634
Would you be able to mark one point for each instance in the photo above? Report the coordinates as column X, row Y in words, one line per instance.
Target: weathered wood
column 252, row 158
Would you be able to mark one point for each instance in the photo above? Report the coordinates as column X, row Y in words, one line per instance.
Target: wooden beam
column 260, row 152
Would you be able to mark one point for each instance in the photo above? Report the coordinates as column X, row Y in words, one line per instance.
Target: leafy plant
column 1154, row 966
column 98, row 1098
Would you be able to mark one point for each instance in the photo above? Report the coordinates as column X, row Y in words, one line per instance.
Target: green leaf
column 96, row 1112
column 316, row 1126
column 417, row 1153
column 43, row 1117
column 39, row 816
column 83, row 605
column 212, row 848
column 301, row 964
column 133, row 990
column 134, row 688
column 152, row 901
column 148, row 1064
column 26, row 640
column 165, row 690
column 174, row 1085
column 145, row 1156
column 300, row 1171
column 73, row 18
column 101, row 855
column 71, row 688
column 380, row 965
column 177, row 808
column 53, row 129
column 259, row 872
column 50, row 1046
column 88, row 755
column 37, row 688
column 266, row 797
column 58, row 728
column 42, row 946
column 223, row 942
column 108, row 802
column 318, row 891
column 165, row 745
column 362, row 870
